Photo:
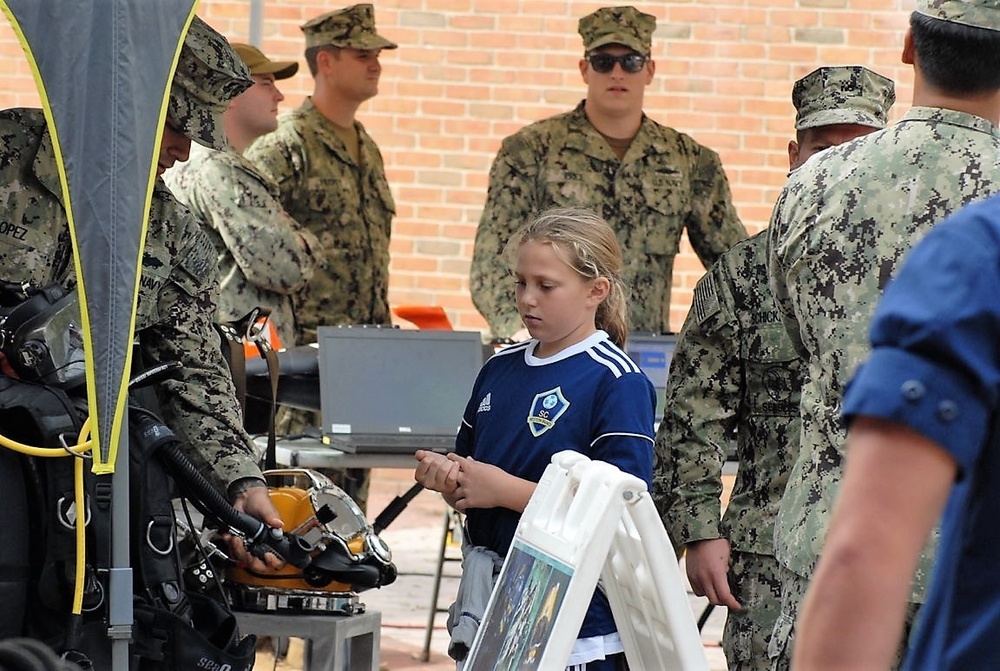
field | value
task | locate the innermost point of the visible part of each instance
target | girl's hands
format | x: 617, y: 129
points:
x: 435, y: 471
x: 466, y: 483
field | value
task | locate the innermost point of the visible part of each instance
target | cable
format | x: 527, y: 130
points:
x: 27, y: 654
x: 79, y: 499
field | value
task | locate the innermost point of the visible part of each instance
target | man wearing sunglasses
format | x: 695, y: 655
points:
x: 649, y: 181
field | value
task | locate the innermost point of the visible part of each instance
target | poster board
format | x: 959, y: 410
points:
x: 587, y: 520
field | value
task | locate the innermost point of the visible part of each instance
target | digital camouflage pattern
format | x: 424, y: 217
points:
x: 747, y: 633
x: 352, y: 27
x: 781, y: 645
x: 975, y: 13
x: 346, y: 205
x: 618, y: 25
x: 838, y: 232
x: 734, y: 376
x: 666, y: 183
x: 263, y: 254
x: 209, y: 74
x: 842, y: 95
x: 177, y: 293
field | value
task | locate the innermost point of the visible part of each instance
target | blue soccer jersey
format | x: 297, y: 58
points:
x: 590, y: 397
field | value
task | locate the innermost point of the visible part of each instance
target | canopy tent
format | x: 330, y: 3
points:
x: 103, y: 70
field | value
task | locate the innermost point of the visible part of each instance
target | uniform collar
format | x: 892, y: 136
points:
x: 953, y: 117
x: 325, y: 130
x: 46, y: 169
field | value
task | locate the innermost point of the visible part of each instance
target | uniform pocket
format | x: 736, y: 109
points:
x: 779, y: 648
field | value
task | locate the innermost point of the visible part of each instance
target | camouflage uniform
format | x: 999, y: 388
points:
x: 735, y: 374
x: 840, y: 227
x: 347, y: 204
x: 665, y: 182
x: 176, y: 293
x: 177, y: 288
x: 263, y: 254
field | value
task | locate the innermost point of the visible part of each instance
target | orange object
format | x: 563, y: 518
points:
x: 426, y: 317
x: 270, y: 333
x: 294, y: 506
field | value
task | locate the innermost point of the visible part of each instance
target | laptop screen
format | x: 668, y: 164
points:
x: 652, y: 353
x: 395, y: 381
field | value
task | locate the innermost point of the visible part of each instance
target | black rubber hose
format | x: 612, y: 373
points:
x: 26, y: 654
x: 156, y: 438
x: 395, y: 507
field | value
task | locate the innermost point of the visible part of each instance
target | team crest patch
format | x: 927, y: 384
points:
x: 547, y: 407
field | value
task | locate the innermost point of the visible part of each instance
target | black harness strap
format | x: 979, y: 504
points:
x: 234, y: 334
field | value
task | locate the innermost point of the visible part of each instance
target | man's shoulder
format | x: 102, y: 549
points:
x: 542, y: 129
x: 293, y: 129
x: 228, y: 165
x: 167, y: 208
x: 177, y: 237
x: 26, y: 147
x: 746, y: 252
x: 214, y: 173
x: 296, y: 121
x: 669, y: 140
x: 654, y: 128
x: 21, y: 126
x: 28, y: 117
x: 743, y: 266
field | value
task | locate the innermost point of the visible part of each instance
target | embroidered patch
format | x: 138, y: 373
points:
x: 547, y: 407
x: 706, y: 299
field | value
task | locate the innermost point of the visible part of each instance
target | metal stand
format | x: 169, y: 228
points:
x: 452, y: 521
x: 333, y: 642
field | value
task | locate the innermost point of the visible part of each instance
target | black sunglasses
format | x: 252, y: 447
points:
x: 605, y: 63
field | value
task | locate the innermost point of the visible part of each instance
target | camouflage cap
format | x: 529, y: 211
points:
x: 618, y: 25
x: 260, y: 64
x: 209, y: 74
x: 842, y: 95
x: 975, y: 13
x: 352, y: 27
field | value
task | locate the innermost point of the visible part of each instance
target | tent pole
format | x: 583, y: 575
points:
x: 256, y: 19
x: 120, y: 584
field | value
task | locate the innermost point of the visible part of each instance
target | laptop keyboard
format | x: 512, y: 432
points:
x: 390, y: 443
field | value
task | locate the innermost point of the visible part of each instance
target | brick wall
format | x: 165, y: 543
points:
x: 470, y: 72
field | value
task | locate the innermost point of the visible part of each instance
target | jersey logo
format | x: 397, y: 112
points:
x: 484, y: 405
x: 547, y: 407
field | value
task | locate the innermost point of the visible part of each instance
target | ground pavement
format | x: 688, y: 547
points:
x: 415, y: 540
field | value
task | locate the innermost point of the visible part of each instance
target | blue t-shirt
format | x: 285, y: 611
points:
x: 935, y: 367
x: 590, y: 398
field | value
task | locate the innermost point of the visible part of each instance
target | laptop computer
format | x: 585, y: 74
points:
x: 387, y: 390
x: 652, y: 353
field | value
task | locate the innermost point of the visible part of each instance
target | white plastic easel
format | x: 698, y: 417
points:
x: 588, y: 520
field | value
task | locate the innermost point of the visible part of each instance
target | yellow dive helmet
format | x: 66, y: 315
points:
x: 347, y: 555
